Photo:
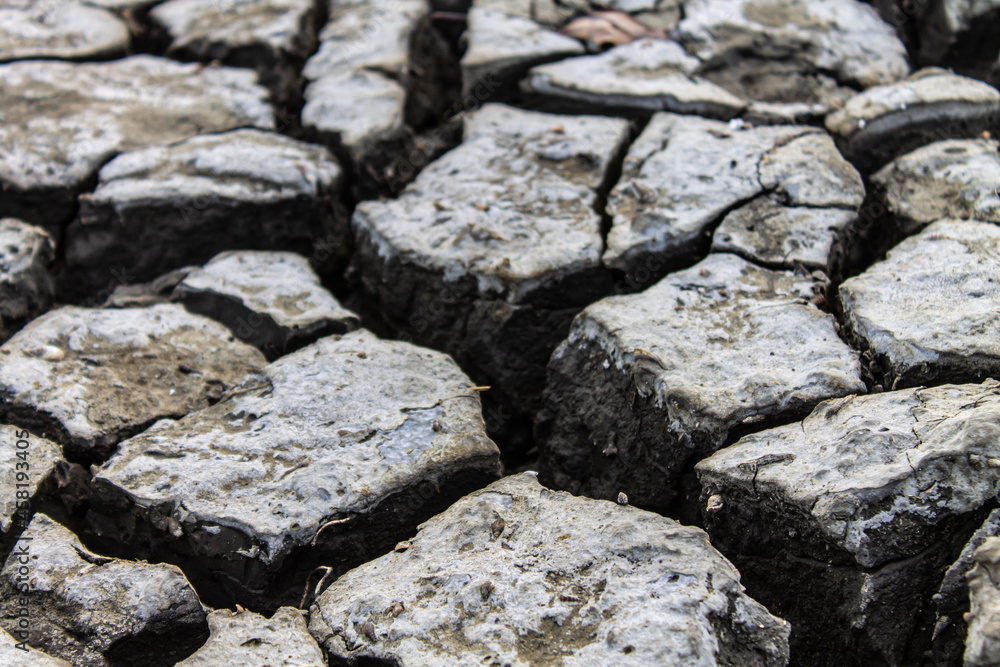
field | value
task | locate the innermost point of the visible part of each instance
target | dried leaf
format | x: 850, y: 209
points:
x: 602, y: 30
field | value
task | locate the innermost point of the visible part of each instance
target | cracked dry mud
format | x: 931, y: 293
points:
x: 513, y: 332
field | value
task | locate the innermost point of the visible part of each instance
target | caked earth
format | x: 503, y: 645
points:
x: 506, y: 333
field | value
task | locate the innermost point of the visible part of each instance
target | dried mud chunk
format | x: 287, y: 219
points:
x: 515, y: 573
x: 95, y: 611
x: 648, y: 383
x: 88, y: 378
x: 328, y: 457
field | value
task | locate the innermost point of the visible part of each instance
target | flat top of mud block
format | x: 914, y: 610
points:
x: 243, y: 165
x: 361, y: 107
x: 933, y: 305
x: 25, y: 283
x: 645, y: 75
x: 933, y: 104
x: 512, y: 206
x: 956, y: 178
x: 518, y: 574
x: 86, y: 607
x: 212, y: 29
x: 88, y: 378
x: 325, y: 433
x: 273, y: 300
x: 245, y: 638
x: 878, y: 476
x: 26, y: 453
x: 725, y: 340
x: 684, y: 173
x: 844, y: 37
x: 64, y: 29
x: 281, y: 285
x: 366, y: 34
x: 47, y: 127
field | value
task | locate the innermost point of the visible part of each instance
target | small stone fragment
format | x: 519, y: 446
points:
x: 89, y: 378
x: 928, y: 308
x: 165, y: 207
x: 647, y: 382
x: 272, y: 300
x: 26, y: 252
x: 630, y: 588
x: 889, y: 120
x: 325, y: 458
x: 956, y: 178
x: 95, y: 611
x: 245, y: 638
x: 60, y: 29
x: 849, y: 536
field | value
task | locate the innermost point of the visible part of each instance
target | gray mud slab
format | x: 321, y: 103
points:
x: 95, y: 611
x: 956, y: 178
x: 164, y: 207
x: 15, y: 653
x: 860, y: 508
x: 886, y: 121
x: 60, y: 29
x: 648, y: 383
x: 644, y: 76
x: 982, y: 647
x: 951, y: 601
x: 809, y: 214
x: 245, y: 638
x: 929, y: 311
x: 362, y: 115
x: 496, y: 246
x: 373, y: 35
x: 272, y: 300
x: 518, y: 574
x: 359, y: 81
x: 29, y: 463
x: 789, y: 54
x: 62, y: 121
x: 26, y: 251
x: 685, y: 174
x: 89, y: 378
x: 503, y: 47
x: 787, y: 237
x: 328, y: 457
x: 272, y: 36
